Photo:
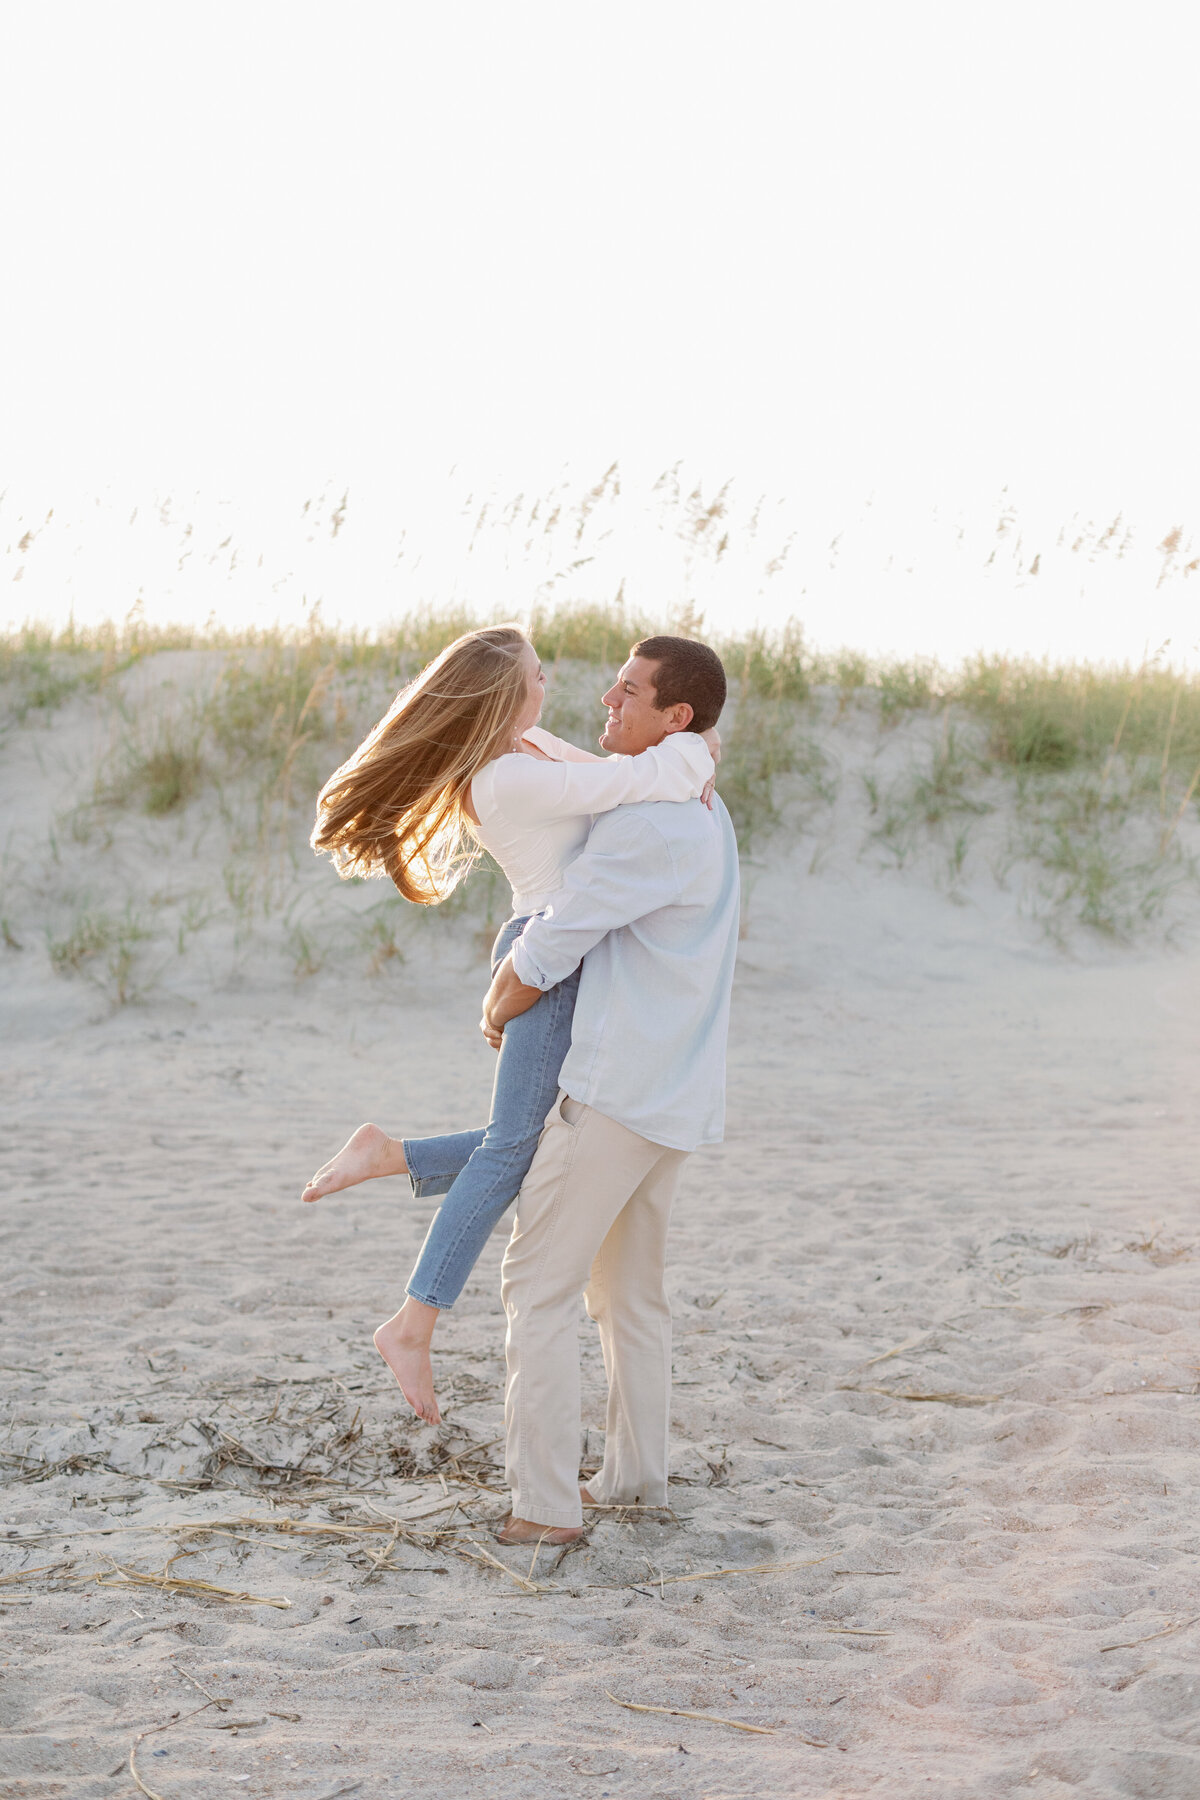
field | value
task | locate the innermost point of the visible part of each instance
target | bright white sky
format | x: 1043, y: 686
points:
x: 836, y: 251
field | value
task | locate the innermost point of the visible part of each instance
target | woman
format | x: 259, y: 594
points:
x: 456, y: 765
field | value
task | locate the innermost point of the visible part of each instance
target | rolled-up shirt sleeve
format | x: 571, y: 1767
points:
x: 560, y: 748
x: 624, y: 871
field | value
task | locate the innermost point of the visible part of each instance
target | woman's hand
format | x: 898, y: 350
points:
x: 712, y: 738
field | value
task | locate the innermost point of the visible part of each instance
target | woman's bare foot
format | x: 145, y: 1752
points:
x: 523, y: 1531
x: 403, y: 1342
x: 369, y: 1154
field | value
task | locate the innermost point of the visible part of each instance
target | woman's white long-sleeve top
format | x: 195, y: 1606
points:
x: 534, y: 816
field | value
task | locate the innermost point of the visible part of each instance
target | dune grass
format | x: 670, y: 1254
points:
x: 1096, y: 770
x: 1039, y: 715
x: 106, y: 947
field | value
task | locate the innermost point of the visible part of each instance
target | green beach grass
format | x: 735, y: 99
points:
x: 1039, y: 715
x: 1085, y: 778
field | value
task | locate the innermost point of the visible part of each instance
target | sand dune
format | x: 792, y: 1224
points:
x: 936, y: 1367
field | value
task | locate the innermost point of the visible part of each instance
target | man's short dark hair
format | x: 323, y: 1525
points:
x: 687, y: 672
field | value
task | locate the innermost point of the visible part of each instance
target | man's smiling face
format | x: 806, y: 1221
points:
x: 634, y: 721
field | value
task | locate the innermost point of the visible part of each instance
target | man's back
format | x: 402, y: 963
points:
x: 652, y: 903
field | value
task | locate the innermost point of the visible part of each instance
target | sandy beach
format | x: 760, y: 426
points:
x: 853, y: 343
x: 934, y: 1494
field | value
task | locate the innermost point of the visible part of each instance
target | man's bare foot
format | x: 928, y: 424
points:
x: 523, y: 1531
x: 369, y: 1154
x: 403, y: 1342
x: 586, y: 1497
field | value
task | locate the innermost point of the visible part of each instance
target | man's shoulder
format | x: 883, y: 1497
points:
x: 676, y: 825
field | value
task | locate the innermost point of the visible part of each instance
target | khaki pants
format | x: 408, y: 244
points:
x: 594, y: 1209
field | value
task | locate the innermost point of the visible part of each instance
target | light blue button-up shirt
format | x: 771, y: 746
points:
x: 651, y: 907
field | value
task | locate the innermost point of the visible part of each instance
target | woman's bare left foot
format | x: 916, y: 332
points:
x: 403, y: 1343
x: 369, y: 1154
x: 524, y: 1531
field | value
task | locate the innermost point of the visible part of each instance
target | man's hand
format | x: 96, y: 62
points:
x: 506, y: 999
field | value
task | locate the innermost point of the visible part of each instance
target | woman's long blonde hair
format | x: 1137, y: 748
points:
x: 396, y: 806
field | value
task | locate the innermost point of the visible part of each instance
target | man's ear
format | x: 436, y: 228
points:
x: 679, y: 717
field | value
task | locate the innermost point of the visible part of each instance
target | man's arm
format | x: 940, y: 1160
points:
x: 624, y: 872
x: 506, y: 999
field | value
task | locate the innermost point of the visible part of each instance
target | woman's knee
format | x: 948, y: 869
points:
x: 511, y: 1145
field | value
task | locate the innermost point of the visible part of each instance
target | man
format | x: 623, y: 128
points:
x: 651, y: 907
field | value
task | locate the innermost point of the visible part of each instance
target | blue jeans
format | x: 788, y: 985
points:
x: 480, y: 1172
